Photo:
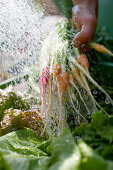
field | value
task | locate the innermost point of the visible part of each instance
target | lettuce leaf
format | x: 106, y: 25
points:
x: 65, y: 154
x: 24, y: 149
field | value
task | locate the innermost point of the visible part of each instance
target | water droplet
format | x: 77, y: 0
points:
x: 107, y: 101
x: 67, y: 141
x: 94, y: 92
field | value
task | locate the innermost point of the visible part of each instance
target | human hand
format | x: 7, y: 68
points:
x: 84, y: 19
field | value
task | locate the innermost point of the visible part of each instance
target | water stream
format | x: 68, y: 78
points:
x: 20, y: 34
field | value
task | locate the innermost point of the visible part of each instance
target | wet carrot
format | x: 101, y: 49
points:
x: 100, y: 48
x: 63, y: 81
x: 83, y: 61
x: 43, y: 82
x: 44, y: 78
x: 66, y: 76
x: 56, y: 69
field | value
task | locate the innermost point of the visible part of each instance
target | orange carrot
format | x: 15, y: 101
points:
x: 83, y: 61
x: 56, y: 69
x: 62, y: 78
x: 66, y: 76
x: 63, y: 81
x: 100, y: 48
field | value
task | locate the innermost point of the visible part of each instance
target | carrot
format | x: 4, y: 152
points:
x: 44, y: 78
x: 56, y: 69
x: 43, y: 82
x: 63, y: 81
x: 62, y: 78
x: 66, y: 76
x: 100, y: 48
x: 83, y: 61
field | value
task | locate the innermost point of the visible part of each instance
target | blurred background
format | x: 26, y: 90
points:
x: 105, y: 15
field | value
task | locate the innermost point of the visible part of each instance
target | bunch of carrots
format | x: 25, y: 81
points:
x: 63, y: 78
x: 55, y: 80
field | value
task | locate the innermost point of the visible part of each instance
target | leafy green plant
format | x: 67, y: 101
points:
x: 9, y: 98
x: 98, y: 134
x: 23, y: 149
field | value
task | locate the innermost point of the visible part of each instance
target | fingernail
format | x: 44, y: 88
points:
x: 76, y: 43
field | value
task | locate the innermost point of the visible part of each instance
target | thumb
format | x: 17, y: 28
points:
x: 84, y: 36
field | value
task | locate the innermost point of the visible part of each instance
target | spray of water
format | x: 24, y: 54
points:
x: 20, y: 33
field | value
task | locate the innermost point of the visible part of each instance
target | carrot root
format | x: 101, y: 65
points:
x: 90, y: 78
x: 79, y: 95
x: 100, y: 48
x: 75, y: 108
